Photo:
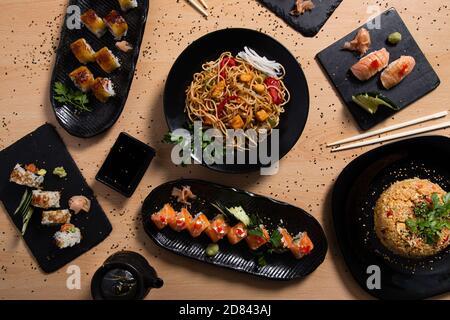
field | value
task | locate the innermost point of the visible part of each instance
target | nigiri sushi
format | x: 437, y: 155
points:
x: 102, y: 88
x: 163, y: 217
x: 116, y: 24
x: 93, y: 22
x: 302, y: 245
x: 257, y: 237
x: 107, y: 60
x: 360, y: 43
x: 83, y: 78
x: 126, y: 5
x: 371, y: 64
x: 182, y: 220
x: 198, y: 225
x: 217, y: 229
x: 397, y: 71
x: 237, y: 233
x: 82, y: 51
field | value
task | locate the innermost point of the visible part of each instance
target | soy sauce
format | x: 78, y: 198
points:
x: 119, y: 284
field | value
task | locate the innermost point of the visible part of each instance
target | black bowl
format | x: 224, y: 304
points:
x: 209, y: 47
x: 354, y: 196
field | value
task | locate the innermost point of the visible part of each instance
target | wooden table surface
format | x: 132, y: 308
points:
x: 29, y: 35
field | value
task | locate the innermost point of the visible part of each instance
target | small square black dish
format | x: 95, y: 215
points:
x: 308, y: 23
x: 125, y: 164
x: 337, y: 62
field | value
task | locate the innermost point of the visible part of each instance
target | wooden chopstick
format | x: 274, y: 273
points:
x: 390, y: 128
x: 198, y: 7
x: 203, y: 3
x: 393, y: 136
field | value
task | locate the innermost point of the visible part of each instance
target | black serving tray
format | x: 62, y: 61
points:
x: 309, y: 23
x: 104, y: 115
x: 45, y: 148
x: 238, y: 257
x: 125, y: 164
x: 337, y: 62
x: 354, y: 196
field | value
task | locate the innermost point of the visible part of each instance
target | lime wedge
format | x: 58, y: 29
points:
x: 370, y: 101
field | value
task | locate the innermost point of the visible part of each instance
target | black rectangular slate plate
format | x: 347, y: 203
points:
x: 125, y: 164
x: 45, y: 148
x: 238, y: 257
x: 419, y: 82
x: 104, y: 115
x: 355, y: 193
x: 309, y: 23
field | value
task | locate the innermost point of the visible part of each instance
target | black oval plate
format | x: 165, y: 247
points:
x: 238, y: 257
x: 354, y: 196
x: 104, y: 115
x: 209, y: 47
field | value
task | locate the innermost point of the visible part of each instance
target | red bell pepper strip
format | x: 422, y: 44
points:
x: 222, y: 104
x: 273, y: 85
x: 226, y: 62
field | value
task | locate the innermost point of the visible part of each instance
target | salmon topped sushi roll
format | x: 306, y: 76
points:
x: 107, y: 60
x: 82, y: 51
x: 218, y: 229
x: 302, y: 245
x: 116, y: 24
x: 397, y: 71
x: 237, y: 233
x: 83, y: 78
x: 257, y: 237
x: 199, y: 224
x: 286, y: 238
x: 163, y: 217
x: 103, y: 89
x: 182, y: 220
x: 93, y: 22
x: 370, y: 65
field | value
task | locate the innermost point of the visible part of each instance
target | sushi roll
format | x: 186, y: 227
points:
x: 82, y: 51
x: 24, y: 177
x: 257, y: 237
x: 116, y: 24
x: 102, y: 88
x: 397, y: 71
x: 217, y: 229
x: 302, y: 245
x: 83, y: 78
x: 370, y: 65
x: 45, y: 199
x: 126, y: 5
x: 237, y: 233
x: 94, y: 23
x: 68, y: 236
x: 50, y: 218
x: 286, y: 238
x: 107, y: 60
x: 163, y: 217
x: 199, y: 224
x: 182, y: 220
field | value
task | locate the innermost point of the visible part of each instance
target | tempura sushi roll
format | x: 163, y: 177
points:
x: 258, y: 237
x: 82, y: 51
x: 93, y: 22
x: 163, y: 217
x: 182, y: 220
x: 198, y: 225
x: 45, y: 199
x: 50, y: 218
x: 397, y: 71
x: 126, y: 5
x: 371, y: 64
x: 107, y: 60
x: 217, y: 229
x: 286, y: 238
x: 24, y: 177
x: 302, y: 245
x: 82, y: 78
x: 102, y: 88
x: 237, y: 233
x: 68, y: 236
x: 116, y: 24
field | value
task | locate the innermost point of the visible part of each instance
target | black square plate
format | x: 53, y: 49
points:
x: 125, y: 164
x: 45, y: 148
x: 309, y: 23
x: 337, y: 63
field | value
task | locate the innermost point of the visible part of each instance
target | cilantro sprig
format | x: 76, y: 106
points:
x: 75, y: 98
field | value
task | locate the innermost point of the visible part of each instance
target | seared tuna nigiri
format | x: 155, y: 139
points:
x: 198, y: 225
x: 182, y: 220
x: 397, y: 71
x: 237, y: 233
x: 302, y: 245
x: 369, y: 65
x: 257, y: 237
x: 163, y: 217
x: 217, y: 229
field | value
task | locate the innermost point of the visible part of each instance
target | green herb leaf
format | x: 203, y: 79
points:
x: 257, y: 232
x: 74, y: 98
x: 275, y: 239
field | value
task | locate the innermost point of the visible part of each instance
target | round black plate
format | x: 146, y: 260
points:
x: 104, y: 115
x: 209, y: 47
x: 238, y: 257
x: 354, y: 196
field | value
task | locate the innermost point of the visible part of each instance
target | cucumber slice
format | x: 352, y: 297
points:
x: 26, y: 219
x: 24, y: 203
x: 370, y: 101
